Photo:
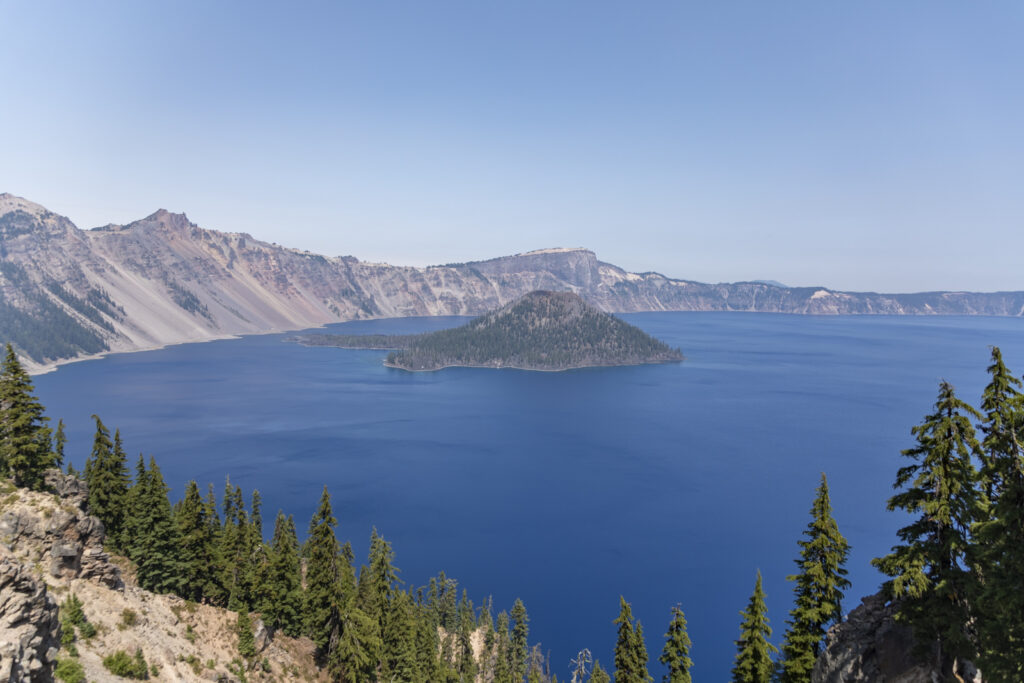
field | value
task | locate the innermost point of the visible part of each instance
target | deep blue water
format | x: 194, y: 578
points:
x: 666, y: 484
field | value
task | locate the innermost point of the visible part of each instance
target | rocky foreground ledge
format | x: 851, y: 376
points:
x: 50, y: 548
x: 871, y: 646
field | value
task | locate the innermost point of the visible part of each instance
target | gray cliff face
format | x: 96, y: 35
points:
x: 29, y: 625
x: 56, y: 533
x: 67, y: 293
x: 870, y: 646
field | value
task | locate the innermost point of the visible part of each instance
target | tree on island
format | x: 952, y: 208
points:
x: 818, y: 591
x: 929, y: 569
x: 754, y: 651
x: 25, y: 452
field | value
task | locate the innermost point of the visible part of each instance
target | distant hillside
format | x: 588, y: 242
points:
x: 539, y: 331
x: 68, y: 293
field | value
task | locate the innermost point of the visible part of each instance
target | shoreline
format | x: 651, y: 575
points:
x: 527, y: 369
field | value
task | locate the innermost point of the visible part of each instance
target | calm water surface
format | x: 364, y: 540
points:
x: 666, y: 484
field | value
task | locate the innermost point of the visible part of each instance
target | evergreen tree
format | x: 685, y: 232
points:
x: 928, y: 569
x: 198, y: 556
x: 156, y: 546
x: 323, y: 580
x: 246, y: 639
x: 59, y: 441
x: 754, y: 652
x: 352, y: 660
x: 399, y: 645
x: 24, y: 437
x: 284, y: 608
x: 818, y: 591
x: 518, y: 645
x: 599, y: 675
x: 106, y: 476
x: 630, y: 650
x: 999, y: 539
x: 502, y: 657
x: 676, y: 653
x: 464, y: 640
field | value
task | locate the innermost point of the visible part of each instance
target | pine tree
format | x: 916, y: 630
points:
x: 59, y: 441
x: 24, y: 437
x: 323, y: 580
x: 630, y: 650
x: 518, y: 644
x: 464, y: 640
x: 351, y: 660
x: 998, y: 559
x: 502, y: 659
x: 156, y: 546
x: 246, y: 639
x: 200, y: 579
x: 399, y: 645
x: 284, y: 608
x: 818, y: 591
x: 599, y: 675
x: 106, y: 476
x: 754, y: 652
x: 928, y: 569
x: 676, y: 654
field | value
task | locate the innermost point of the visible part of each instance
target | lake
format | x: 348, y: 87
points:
x: 665, y: 483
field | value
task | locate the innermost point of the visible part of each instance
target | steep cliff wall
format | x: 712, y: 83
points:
x: 67, y: 293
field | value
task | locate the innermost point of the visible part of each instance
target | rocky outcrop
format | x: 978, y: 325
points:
x: 871, y: 646
x: 55, y: 531
x: 68, y: 293
x: 29, y: 625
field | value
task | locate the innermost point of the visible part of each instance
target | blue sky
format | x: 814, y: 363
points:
x: 869, y: 145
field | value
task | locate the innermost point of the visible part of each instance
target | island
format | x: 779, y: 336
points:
x: 539, y: 331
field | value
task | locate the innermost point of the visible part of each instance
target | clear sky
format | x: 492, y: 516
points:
x: 858, y: 145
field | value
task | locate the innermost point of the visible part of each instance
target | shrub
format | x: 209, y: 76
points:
x: 69, y: 671
x: 122, y: 664
x: 72, y: 610
x: 128, y: 619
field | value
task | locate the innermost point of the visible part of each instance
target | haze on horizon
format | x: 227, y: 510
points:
x: 861, y: 147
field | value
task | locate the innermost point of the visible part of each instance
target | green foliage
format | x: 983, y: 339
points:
x: 323, y: 577
x: 71, y: 609
x: 246, y: 639
x: 818, y: 591
x: 676, y: 653
x: 542, y: 330
x: 754, y: 652
x: 599, y: 675
x: 155, y: 546
x: 199, y: 558
x: 284, y: 581
x: 37, y: 324
x: 999, y: 537
x: 59, y: 440
x: 24, y: 437
x: 128, y: 619
x: 518, y: 643
x: 106, y: 475
x: 630, y: 650
x: 69, y: 671
x: 928, y: 569
x: 120, y: 663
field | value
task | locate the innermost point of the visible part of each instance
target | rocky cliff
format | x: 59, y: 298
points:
x: 871, y: 646
x: 50, y: 548
x: 67, y: 293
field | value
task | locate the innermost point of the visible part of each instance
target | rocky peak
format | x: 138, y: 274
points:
x: 575, y: 267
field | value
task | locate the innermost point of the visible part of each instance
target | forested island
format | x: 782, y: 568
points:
x: 539, y: 331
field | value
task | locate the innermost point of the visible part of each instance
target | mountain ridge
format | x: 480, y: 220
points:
x: 68, y: 293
